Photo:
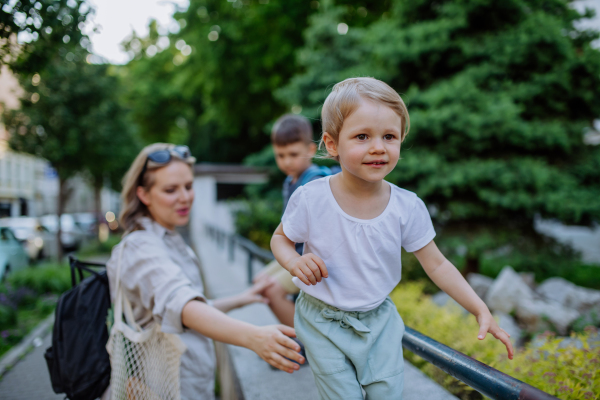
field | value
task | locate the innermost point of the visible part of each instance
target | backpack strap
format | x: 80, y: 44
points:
x: 122, y: 304
x: 80, y: 266
x: 313, y: 173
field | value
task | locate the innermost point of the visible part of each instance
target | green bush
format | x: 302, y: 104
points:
x: 568, y: 372
x: 544, y: 266
x: 257, y: 219
x: 43, y: 279
x: 97, y: 247
x: 413, y: 271
x: 8, y: 316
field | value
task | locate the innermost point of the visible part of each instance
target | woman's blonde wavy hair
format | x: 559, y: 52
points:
x: 345, y: 98
x: 132, y: 208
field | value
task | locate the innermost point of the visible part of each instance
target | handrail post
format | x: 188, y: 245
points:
x: 231, y: 248
x: 250, y: 261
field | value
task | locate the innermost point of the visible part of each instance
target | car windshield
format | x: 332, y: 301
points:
x: 51, y: 222
x: 22, y: 233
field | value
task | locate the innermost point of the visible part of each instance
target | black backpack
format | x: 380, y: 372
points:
x: 78, y: 362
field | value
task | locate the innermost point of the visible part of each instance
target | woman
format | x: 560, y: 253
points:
x: 161, y: 275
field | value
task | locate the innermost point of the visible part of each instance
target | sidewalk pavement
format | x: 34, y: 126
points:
x: 29, y: 378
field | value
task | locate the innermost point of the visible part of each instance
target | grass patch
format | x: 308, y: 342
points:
x: 42, y: 279
x: 96, y: 247
x: 27, y: 298
x: 27, y: 318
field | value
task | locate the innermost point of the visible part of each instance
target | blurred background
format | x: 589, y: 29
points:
x: 504, y: 101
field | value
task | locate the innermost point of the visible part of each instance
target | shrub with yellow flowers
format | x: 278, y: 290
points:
x: 568, y: 371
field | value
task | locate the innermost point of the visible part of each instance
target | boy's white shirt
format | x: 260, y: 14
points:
x: 362, y: 256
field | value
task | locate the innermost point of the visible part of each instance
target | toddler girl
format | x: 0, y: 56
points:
x: 353, y: 226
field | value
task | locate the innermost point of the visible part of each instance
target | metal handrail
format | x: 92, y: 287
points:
x: 481, y: 377
x: 251, y: 248
x: 486, y: 380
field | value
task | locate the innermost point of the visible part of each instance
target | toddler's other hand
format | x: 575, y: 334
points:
x: 255, y: 293
x: 487, y: 323
x: 309, y: 268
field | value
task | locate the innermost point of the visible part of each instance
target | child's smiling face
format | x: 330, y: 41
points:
x: 368, y: 145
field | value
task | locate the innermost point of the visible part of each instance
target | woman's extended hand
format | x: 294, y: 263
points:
x: 274, y: 346
x: 487, y: 323
x: 309, y: 268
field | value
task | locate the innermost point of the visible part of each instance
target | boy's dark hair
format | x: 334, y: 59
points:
x: 291, y: 128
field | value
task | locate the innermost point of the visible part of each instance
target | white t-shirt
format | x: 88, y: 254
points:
x: 362, y: 256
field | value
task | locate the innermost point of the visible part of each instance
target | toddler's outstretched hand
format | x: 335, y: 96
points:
x: 309, y: 268
x: 487, y: 323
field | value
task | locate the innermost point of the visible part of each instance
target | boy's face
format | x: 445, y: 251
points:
x: 368, y: 145
x: 293, y: 159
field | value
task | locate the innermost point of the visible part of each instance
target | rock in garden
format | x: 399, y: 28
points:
x: 480, y: 283
x: 538, y: 315
x: 507, y: 291
x: 593, y: 341
x: 509, y: 324
x: 528, y: 278
x: 569, y: 295
x: 443, y: 300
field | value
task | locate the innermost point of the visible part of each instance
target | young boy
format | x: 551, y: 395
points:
x: 292, y: 139
x: 353, y: 226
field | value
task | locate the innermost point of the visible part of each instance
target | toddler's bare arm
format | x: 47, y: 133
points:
x: 309, y: 268
x: 448, y: 278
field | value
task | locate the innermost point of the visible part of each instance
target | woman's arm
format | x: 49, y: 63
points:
x: 269, y: 342
x: 309, y: 268
x: 449, y: 279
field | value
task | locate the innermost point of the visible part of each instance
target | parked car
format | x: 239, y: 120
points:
x: 12, y: 255
x: 71, y: 235
x: 87, y: 222
x: 37, y: 240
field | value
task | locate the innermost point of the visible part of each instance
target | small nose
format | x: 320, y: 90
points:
x: 185, y: 195
x: 377, y: 146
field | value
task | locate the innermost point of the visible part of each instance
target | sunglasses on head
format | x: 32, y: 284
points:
x: 164, y: 157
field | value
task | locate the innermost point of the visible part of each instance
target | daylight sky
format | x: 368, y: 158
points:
x: 116, y: 19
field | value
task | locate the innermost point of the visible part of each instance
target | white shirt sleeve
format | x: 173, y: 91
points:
x: 154, y: 282
x: 296, y: 219
x: 418, y: 231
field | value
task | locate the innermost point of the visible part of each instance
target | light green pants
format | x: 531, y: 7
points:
x: 349, y: 350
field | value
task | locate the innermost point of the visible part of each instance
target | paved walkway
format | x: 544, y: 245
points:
x: 29, y: 379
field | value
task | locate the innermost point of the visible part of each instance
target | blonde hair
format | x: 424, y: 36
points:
x: 132, y: 207
x: 347, y: 95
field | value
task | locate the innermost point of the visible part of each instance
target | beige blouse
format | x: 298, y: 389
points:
x: 161, y: 274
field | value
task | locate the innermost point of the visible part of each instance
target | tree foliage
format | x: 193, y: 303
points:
x: 70, y: 114
x: 499, y: 96
x: 43, y: 28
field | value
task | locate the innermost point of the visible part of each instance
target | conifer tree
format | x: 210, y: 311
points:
x: 500, y: 95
